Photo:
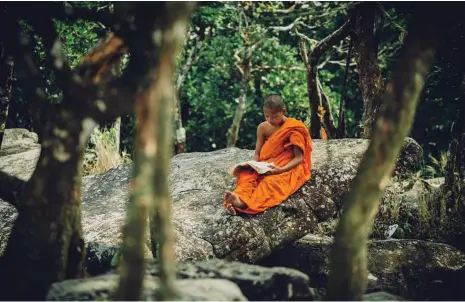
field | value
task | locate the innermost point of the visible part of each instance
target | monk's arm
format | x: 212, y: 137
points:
x: 297, y: 160
x: 260, y: 142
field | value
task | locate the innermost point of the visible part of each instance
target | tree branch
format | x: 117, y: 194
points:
x: 348, y: 262
x: 11, y: 188
x: 279, y: 67
x: 332, y: 39
x: 191, y: 58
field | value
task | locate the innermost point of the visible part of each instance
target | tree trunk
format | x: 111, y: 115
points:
x: 117, y: 127
x: 233, y: 132
x: 328, y: 120
x: 153, y: 156
x: 311, y: 65
x: 46, y: 243
x: 455, y: 170
x: 6, y: 81
x: 180, y: 131
x: 348, y: 266
x: 342, y: 127
x: 371, y: 82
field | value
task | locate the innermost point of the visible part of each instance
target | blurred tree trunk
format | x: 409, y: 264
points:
x: 46, y: 243
x: 348, y: 266
x: 154, y: 110
x: 365, y: 54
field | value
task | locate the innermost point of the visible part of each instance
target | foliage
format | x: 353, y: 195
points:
x: 101, y: 153
x: 209, y: 94
x: 437, y: 168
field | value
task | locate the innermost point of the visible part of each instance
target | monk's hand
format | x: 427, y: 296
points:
x: 256, y: 158
x: 274, y: 169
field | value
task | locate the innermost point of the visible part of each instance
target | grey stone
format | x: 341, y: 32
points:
x: 101, y: 288
x: 410, y: 158
x: 256, y: 282
x: 19, y: 153
x: 197, y: 181
x: 413, y: 269
x: 381, y: 296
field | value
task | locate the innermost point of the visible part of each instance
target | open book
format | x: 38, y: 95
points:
x: 260, y: 166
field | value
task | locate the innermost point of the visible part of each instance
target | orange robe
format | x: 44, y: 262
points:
x: 261, y: 192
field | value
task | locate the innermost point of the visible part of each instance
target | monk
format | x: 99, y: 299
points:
x: 285, y: 143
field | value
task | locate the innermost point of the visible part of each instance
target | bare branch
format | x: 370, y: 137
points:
x: 279, y: 67
x: 303, y: 53
x: 274, y: 28
x: 191, y: 58
x: 10, y: 188
x: 301, y: 35
x: 237, y: 62
x: 332, y: 39
x: 286, y: 11
x: 285, y: 28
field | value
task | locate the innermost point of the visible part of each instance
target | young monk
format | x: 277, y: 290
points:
x: 283, y: 142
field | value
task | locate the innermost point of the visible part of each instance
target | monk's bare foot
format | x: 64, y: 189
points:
x: 227, y: 196
x: 230, y: 209
x: 233, y: 199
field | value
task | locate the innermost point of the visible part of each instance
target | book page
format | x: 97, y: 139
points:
x: 260, y: 167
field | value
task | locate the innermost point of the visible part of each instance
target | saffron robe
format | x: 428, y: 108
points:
x: 261, y: 192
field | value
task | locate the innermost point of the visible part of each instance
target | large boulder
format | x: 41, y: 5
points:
x: 197, y: 182
x: 256, y: 282
x: 204, y: 280
x: 406, y: 209
x: 412, y: 269
x: 18, y: 156
x: 19, y: 153
x: 102, y: 288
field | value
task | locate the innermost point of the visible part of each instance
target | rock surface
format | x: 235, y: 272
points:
x: 412, y: 269
x: 19, y: 153
x: 197, y: 182
x: 204, y: 280
x: 256, y: 282
x: 102, y: 287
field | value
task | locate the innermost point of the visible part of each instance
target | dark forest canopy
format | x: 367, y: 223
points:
x: 217, y: 42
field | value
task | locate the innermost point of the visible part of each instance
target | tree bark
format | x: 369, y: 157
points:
x: 348, y: 275
x: 328, y: 120
x: 342, y: 127
x: 371, y: 82
x: 6, y: 83
x: 311, y: 64
x: 180, y: 131
x: 246, y: 66
x: 154, y: 111
x: 455, y: 170
x: 117, y: 127
x: 46, y: 243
